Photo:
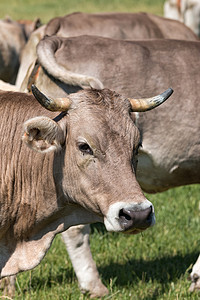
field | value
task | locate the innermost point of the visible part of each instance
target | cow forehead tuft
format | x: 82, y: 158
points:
x: 102, y: 98
x: 104, y: 112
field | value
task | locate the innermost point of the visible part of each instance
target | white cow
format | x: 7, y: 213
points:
x: 186, y: 11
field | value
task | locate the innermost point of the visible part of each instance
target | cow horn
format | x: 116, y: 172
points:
x: 141, y: 105
x: 57, y: 104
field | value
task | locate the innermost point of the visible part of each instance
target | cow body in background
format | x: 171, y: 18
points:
x: 124, y: 26
x: 118, y: 26
x: 186, y: 11
x: 118, y: 63
x: 13, y: 37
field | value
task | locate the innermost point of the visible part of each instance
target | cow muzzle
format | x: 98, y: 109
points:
x: 130, y: 218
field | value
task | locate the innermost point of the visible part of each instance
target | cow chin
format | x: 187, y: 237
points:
x: 130, y: 218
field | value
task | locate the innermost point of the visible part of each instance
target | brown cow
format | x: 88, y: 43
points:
x: 115, y: 25
x: 75, y: 176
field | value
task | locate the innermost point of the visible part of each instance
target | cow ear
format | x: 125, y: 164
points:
x: 43, y: 134
x: 37, y: 23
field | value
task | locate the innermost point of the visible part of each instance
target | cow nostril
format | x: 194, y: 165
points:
x: 149, y: 218
x: 129, y: 218
x: 124, y: 215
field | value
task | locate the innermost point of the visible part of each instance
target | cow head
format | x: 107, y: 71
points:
x: 97, y: 143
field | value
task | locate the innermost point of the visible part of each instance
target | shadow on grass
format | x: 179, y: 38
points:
x: 62, y: 276
x: 163, y: 270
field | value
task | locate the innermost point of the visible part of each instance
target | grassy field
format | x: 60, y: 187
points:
x: 30, y: 9
x: 152, y: 265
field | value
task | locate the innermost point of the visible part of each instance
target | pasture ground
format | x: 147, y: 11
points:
x: 47, y: 9
x: 152, y: 265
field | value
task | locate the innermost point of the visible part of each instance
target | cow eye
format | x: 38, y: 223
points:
x: 85, y: 148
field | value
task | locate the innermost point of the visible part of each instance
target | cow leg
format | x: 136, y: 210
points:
x: 7, y: 284
x: 195, y: 276
x: 76, y: 239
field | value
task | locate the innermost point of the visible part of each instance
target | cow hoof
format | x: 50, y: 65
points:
x: 97, y: 291
x: 7, y: 285
x: 100, y: 292
x: 195, y: 285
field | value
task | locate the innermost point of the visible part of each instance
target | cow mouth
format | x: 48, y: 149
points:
x: 129, y: 218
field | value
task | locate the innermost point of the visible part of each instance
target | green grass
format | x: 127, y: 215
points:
x: 30, y: 9
x: 152, y: 265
